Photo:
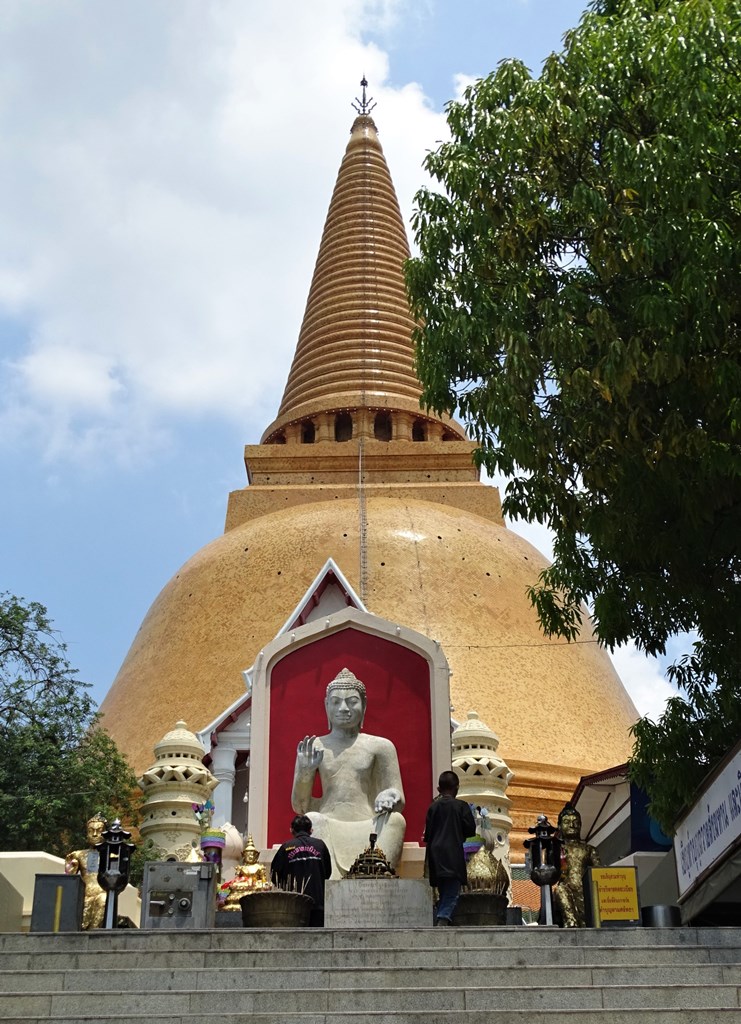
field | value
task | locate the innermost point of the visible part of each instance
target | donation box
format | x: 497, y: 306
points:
x: 57, y: 903
x: 177, y: 895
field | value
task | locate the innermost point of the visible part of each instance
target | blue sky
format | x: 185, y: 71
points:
x: 164, y: 178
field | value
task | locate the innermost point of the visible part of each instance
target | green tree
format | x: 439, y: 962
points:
x: 58, y: 767
x: 578, y: 282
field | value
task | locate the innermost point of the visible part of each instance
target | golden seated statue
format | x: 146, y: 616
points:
x: 250, y: 878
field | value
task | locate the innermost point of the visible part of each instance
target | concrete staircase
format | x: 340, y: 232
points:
x: 476, y: 975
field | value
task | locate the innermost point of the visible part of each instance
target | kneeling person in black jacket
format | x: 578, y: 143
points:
x: 301, y: 865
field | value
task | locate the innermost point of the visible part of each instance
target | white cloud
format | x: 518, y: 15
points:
x: 644, y: 679
x: 56, y: 374
x: 162, y: 195
x: 461, y: 82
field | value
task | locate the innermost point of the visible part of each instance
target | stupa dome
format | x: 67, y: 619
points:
x: 443, y: 571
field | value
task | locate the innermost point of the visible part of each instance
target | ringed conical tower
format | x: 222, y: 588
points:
x: 354, y: 348
x: 352, y: 469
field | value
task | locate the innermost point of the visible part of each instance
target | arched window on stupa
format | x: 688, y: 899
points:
x: 308, y: 432
x: 343, y: 426
x: 419, y: 431
x: 382, y: 426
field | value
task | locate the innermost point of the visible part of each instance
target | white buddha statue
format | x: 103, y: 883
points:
x: 361, y: 782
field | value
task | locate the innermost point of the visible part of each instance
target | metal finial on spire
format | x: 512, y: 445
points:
x: 366, y: 104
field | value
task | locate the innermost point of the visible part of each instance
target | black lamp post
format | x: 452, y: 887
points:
x: 545, y: 861
x: 113, y: 870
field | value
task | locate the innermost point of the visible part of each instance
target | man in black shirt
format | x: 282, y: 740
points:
x: 449, y: 822
x: 301, y: 865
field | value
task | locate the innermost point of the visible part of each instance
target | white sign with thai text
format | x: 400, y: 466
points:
x: 711, y: 826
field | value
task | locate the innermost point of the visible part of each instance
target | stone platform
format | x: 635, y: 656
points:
x: 378, y: 903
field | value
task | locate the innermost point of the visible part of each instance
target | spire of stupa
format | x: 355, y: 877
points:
x: 355, y: 348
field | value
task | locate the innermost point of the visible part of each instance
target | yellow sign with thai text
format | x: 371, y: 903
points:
x: 614, y: 895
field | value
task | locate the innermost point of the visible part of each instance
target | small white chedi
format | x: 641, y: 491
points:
x: 175, y: 782
x: 361, y: 781
x: 484, y: 778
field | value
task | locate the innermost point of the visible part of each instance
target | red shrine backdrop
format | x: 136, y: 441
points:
x: 397, y: 681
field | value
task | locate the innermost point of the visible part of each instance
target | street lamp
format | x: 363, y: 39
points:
x: 545, y: 861
x: 113, y: 870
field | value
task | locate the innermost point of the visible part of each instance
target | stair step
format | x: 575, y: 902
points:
x: 61, y: 1005
x: 467, y: 957
x: 302, y: 978
x: 669, y: 1015
x: 345, y: 939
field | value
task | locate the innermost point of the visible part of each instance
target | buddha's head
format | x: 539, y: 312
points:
x: 345, y: 701
x: 95, y: 827
x: 250, y: 853
x: 569, y: 822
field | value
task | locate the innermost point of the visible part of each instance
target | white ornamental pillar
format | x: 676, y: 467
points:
x: 223, y: 758
x: 484, y: 778
x: 175, y: 782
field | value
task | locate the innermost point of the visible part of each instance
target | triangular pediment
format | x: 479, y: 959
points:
x: 328, y: 593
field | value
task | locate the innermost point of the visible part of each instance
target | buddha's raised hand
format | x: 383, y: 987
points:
x: 307, y: 756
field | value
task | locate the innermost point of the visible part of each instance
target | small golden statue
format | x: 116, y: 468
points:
x: 372, y: 863
x: 486, y: 872
x: 576, y: 857
x: 195, y: 854
x: 250, y: 878
x: 85, y: 864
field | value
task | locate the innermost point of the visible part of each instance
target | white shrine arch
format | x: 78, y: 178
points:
x: 239, y: 740
x: 354, y: 622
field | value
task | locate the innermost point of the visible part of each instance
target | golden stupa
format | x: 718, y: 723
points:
x: 352, y: 469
